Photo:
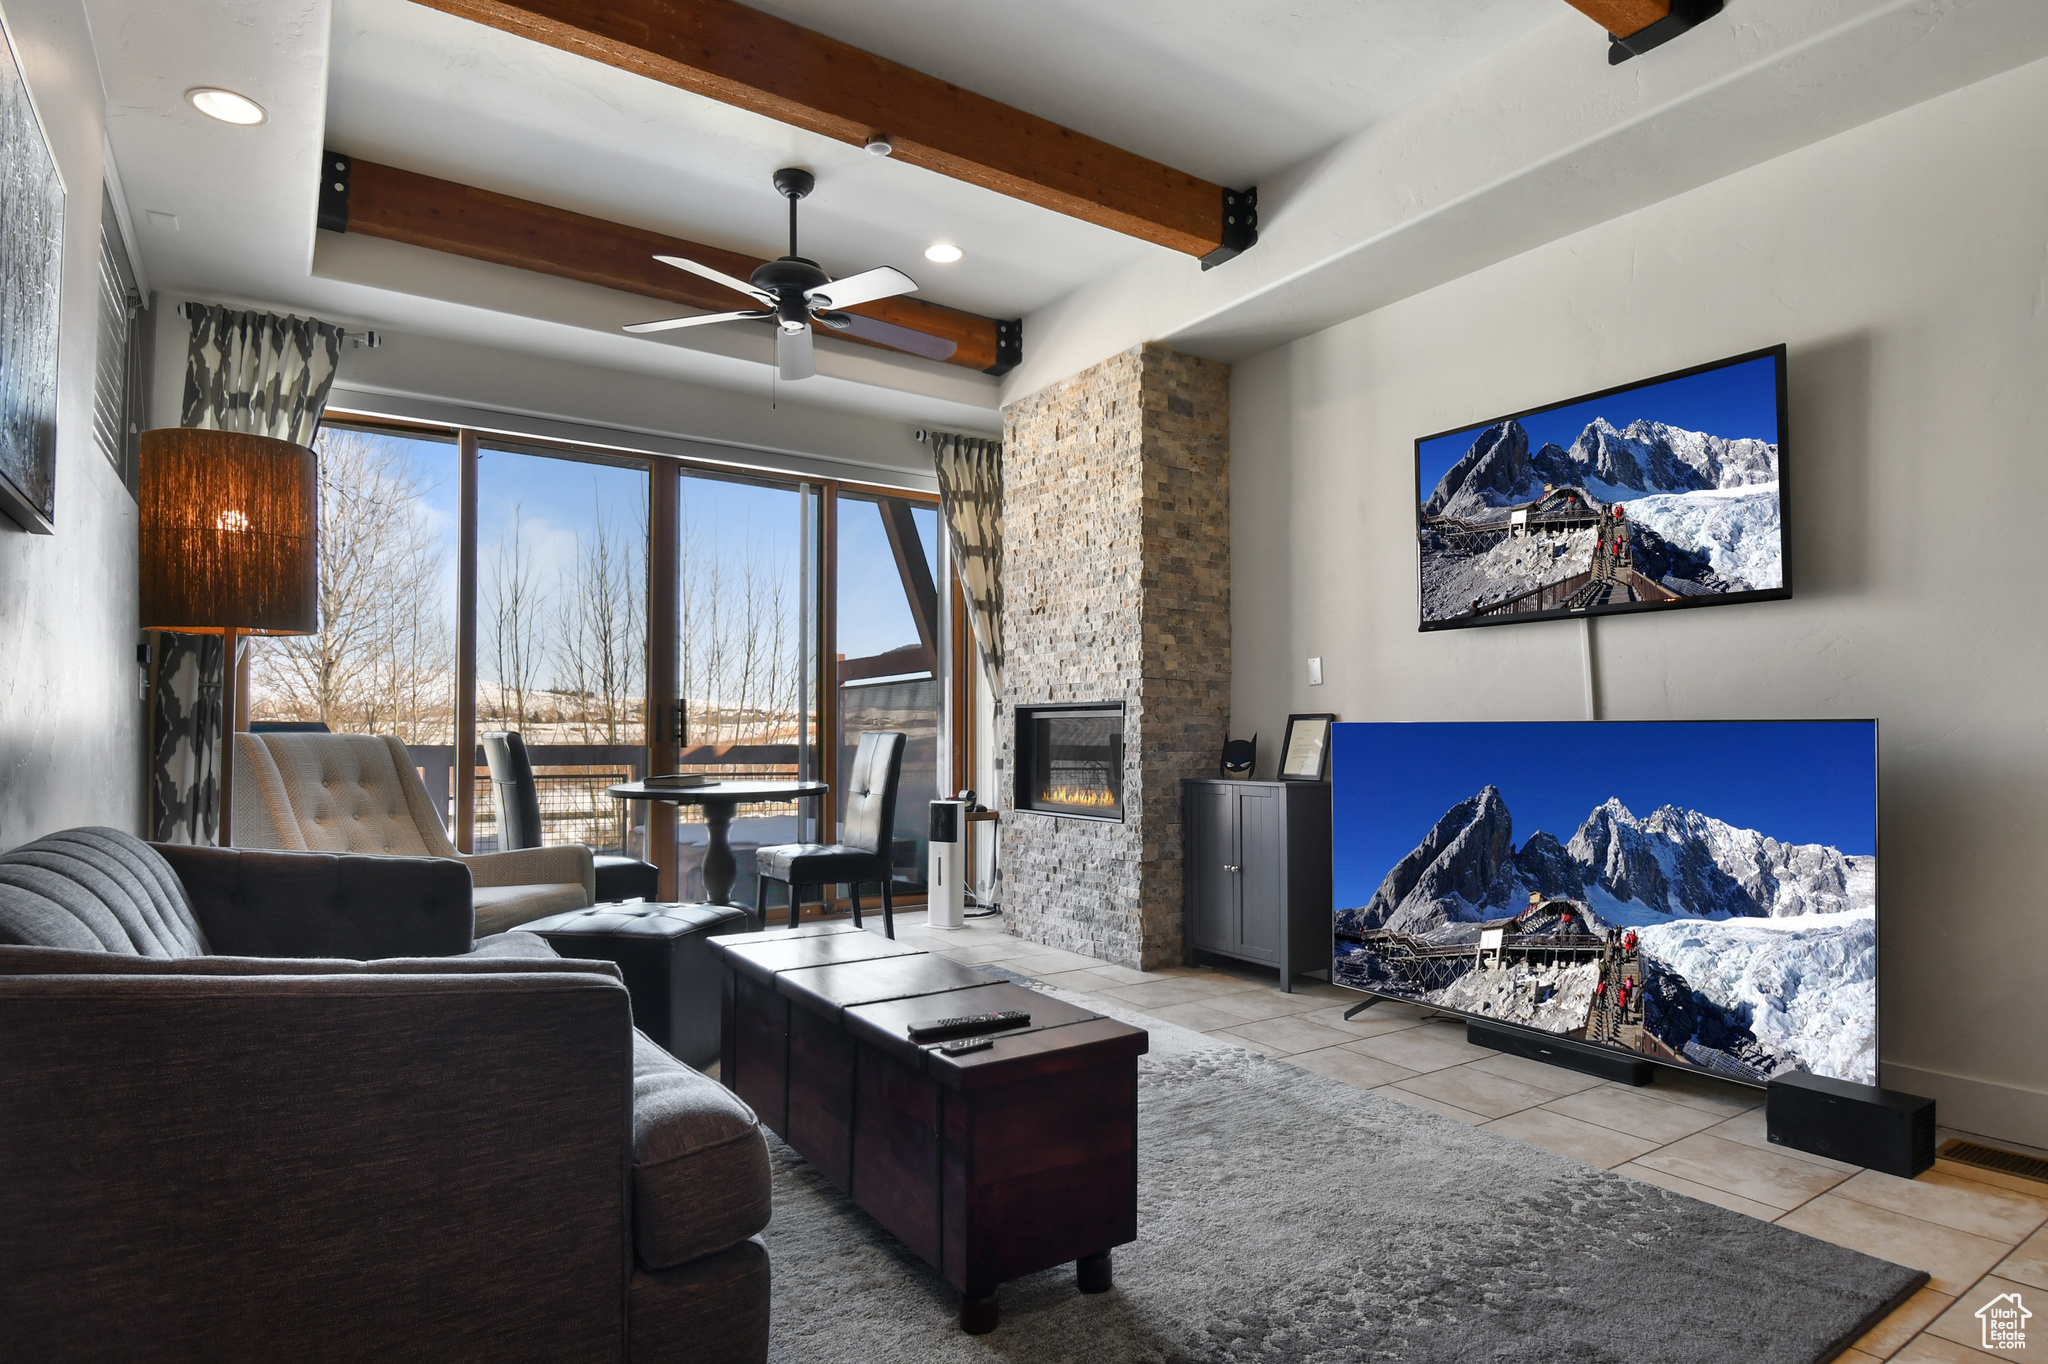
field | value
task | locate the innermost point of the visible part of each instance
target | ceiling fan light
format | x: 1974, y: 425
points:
x: 945, y: 253
x: 226, y: 105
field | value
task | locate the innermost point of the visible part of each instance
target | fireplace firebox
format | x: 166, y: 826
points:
x: 1070, y: 760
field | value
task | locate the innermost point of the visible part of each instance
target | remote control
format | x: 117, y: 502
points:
x: 933, y: 1029
x: 961, y: 1045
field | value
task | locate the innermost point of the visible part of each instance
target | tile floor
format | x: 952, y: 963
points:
x: 1977, y: 1233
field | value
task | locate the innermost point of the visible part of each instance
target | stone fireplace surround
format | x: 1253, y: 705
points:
x: 1116, y: 569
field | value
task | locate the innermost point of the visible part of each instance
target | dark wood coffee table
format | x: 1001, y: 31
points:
x: 989, y: 1165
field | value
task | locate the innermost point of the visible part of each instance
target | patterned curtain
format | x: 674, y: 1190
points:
x: 971, y: 498
x: 258, y: 372
x: 269, y: 376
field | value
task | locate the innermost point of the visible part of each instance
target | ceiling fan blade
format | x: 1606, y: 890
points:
x: 889, y: 334
x: 718, y: 277
x: 669, y: 324
x: 865, y: 287
x: 793, y: 354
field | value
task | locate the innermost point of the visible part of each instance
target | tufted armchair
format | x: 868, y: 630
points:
x: 359, y: 793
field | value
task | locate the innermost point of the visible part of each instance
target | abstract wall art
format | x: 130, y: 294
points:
x: 31, y: 282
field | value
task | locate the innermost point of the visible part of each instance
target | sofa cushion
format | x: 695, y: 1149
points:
x: 700, y: 1164
x: 96, y: 890
x: 258, y: 903
x: 499, y: 908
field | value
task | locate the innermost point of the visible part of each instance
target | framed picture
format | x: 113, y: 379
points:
x: 31, y: 281
x: 1305, y: 751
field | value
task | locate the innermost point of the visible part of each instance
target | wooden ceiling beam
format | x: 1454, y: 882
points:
x: 1623, y: 18
x: 441, y: 215
x: 724, y: 51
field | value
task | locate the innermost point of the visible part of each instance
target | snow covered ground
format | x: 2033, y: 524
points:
x: 1808, y: 982
x: 1450, y: 582
x: 1510, y: 993
x: 1736, y: 528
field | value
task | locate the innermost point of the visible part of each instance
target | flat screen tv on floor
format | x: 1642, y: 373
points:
x: 1703, y: 894
x: 1656, y: 495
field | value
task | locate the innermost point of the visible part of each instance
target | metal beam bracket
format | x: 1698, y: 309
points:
x: 1240, y: 225
x: 1009, y: 347
x: 334, y: 191
x: 1685, y: 15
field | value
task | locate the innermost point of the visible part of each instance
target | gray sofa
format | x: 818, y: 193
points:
x: 266, y: 1105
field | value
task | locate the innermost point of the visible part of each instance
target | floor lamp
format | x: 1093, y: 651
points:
x: 229, y: 525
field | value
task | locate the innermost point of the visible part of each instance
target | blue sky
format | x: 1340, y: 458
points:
x: 556, y: 499
x: 1809, y: 781
x: 1733, y: 402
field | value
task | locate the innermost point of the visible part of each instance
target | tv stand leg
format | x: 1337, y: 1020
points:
x: 1359, y: 1008
x: 1092, y: 1273
x: 979, y: 1316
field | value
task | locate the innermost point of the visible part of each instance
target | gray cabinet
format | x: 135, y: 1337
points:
x: 1256, y: 872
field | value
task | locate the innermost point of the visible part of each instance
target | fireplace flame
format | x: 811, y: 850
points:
x: 1080, y: 797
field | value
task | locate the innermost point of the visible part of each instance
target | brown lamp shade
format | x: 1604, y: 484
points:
x: 229, y: 528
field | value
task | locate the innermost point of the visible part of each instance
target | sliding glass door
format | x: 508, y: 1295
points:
x: 561, y: 636
x: 745, y: 551
x: 887, y: 655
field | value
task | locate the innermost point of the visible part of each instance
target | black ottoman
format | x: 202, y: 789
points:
x: 672, y: 975
x: 625, y: 878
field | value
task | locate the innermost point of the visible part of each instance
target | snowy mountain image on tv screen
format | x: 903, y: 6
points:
x: 1702, y: 894
x: 1663, y: 494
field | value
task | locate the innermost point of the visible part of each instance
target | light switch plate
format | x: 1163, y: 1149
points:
x: 1315, y: 672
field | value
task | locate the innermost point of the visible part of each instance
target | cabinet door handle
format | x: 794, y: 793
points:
x: 1228, y: 867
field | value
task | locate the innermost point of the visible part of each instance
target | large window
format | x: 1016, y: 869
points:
x: 384, y: 659
x: 469, y: 584
x: 561, y: 635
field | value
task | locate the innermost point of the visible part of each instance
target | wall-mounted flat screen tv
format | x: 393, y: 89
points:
x: 1702, y: 894
x: 1660, y: 494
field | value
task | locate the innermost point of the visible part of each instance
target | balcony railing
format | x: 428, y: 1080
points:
x: 571, y: 781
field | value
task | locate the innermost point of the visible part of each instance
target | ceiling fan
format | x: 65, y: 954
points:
x: 795, y: 292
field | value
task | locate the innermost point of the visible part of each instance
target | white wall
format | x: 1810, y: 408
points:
x: 1906, y: 264
x: 70, y: 708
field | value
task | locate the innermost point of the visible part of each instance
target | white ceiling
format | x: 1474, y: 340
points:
x: 1230, y: 90
x: 513, y: 116
x: 1396, y: 143
x: 1225, y: 90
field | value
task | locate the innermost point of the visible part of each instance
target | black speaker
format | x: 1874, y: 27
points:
x: 1609, y: 1063
x: 1885, y: 1131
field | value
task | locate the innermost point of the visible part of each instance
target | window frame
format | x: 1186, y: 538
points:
x: 819, y: 743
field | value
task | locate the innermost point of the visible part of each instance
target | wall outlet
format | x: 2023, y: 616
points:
x: 1315, y: 672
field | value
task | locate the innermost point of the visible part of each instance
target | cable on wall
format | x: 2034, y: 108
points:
x: 1592, y: 675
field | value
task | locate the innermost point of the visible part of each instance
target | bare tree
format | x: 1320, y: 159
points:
x: 515, y: 607
x: 601, y: 629
x: 739, y: 666
x: 382, y: 659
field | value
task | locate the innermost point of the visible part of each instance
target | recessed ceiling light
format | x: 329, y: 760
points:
x: 945, y: 253
x: 226, y: 105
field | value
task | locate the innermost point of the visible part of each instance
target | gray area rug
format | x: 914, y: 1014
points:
x: 1285, y: 1217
